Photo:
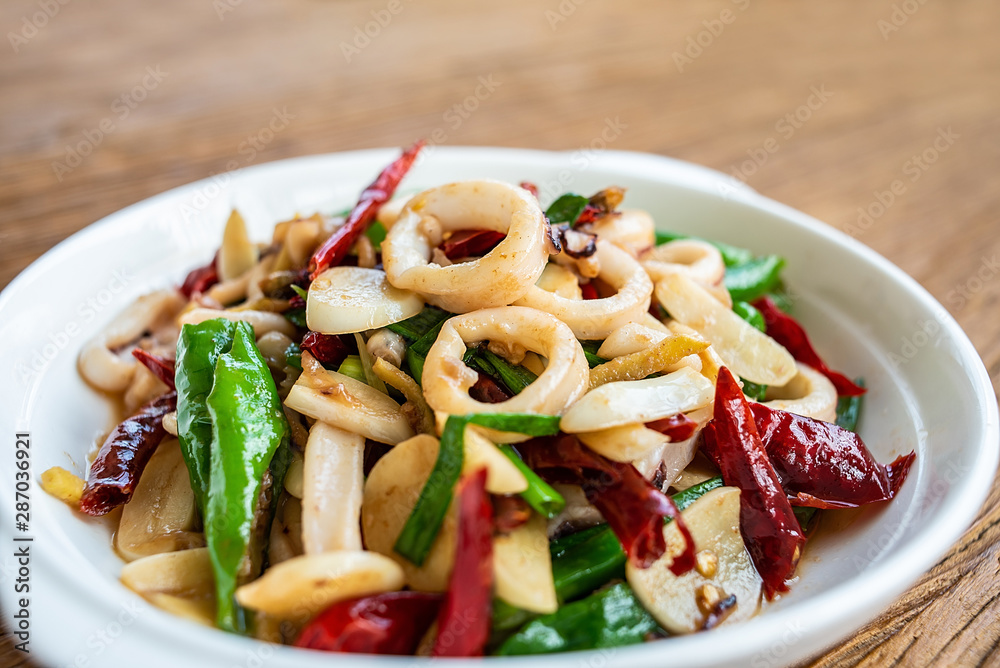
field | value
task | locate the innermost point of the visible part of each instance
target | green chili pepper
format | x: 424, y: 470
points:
x: 376, y: 233
x: 413, y: 328
x: 849, y: 409
x: 731, y: 255
x: 540, y: 495
x: 421, y: 528
x: 198, y: 349
x: 566, y: 209
x: 590, y: 349
x: 610, y: 618
x: 351, y: 366
x: 750, y: 313
x: 417, y: 351
x: 248, y: 428
x: 751, y: 280
x: 585, y: 560
x: 514, y: 377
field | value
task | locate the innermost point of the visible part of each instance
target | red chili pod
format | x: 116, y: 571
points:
x: 784, y: 329
x: 821, y: 465
x: 677, y: 427
x: 468, y: 243
x: 332, y: 252
x: 467, y: 610
x: 327, y: 348
x: 119, y: 463
x: 634, y: 509
x: 391, y: 623
x: 160, y: 367
x: 200, y: 279
x: 772, y: 533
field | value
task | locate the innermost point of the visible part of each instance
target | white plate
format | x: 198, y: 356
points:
x: 929, y: 391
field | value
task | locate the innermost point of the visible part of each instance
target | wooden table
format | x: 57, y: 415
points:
x: 819, y: 105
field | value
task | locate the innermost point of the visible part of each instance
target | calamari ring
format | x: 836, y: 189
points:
x: 808, y: 393
x: 446, y: 380
x: 597, y: 318
x: 696, y: 259
x: 496, y: 279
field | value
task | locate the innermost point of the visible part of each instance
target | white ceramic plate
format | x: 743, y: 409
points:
x: 929, y: 391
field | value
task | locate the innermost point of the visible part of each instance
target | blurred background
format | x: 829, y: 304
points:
x: 880, y: 118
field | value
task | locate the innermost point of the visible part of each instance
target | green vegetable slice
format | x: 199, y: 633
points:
x: 422, y: 526
x: 566, y: 209
x: 612, y: 617
x: 731, y: 255
x: 752, y: 280
x: 414, y: 328
x: 849, y: 409
x: 540, y: 495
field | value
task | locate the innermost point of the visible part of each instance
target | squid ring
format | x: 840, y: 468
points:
x: 597, y: 318
x: 697, y: 259
x: 446, y: 379
x: 808, y: 393
x: 496, y: 279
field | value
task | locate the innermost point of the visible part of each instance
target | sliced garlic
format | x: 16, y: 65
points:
x: 237, y: 254
x: 634, y: 401
x: 748, y: 352
x: 343, y: 300
x: 522, y: 568
x: 303, y: 586
x: 714, y: 521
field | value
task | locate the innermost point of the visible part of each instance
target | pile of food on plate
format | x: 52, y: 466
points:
x: 459, y: 423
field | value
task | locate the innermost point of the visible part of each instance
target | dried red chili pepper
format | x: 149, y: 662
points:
x: 773, y: 536
x: 589, y: 291
x: 160, y: 367
x: 201, y: 279
x: 334, y: 249
x: 530, y: 187
x: 488, y: 391
x: 468, y: 243
x: 633, y: 507
x: 327, y: 348
x: 676, y: 427
x: 391, y: 623
x: 821, y: 465
x: 119, y: 463
x: 510, y: 511
x: 784, y: 329
x: 467, y: 610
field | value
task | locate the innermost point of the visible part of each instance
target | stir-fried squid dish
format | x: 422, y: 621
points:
x: 462, y: 424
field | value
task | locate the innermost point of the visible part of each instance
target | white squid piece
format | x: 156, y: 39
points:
x: 100, y: 364
x: 332, y: 486
x: 498, y: 278
x: 748, y: 352
x: 809, y: 393
x: 597, y: 318
x: 446, y: 379
x: 344, y: 300
x: 631, y: 229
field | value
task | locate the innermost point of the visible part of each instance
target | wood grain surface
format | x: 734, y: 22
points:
x: 819, y: 105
